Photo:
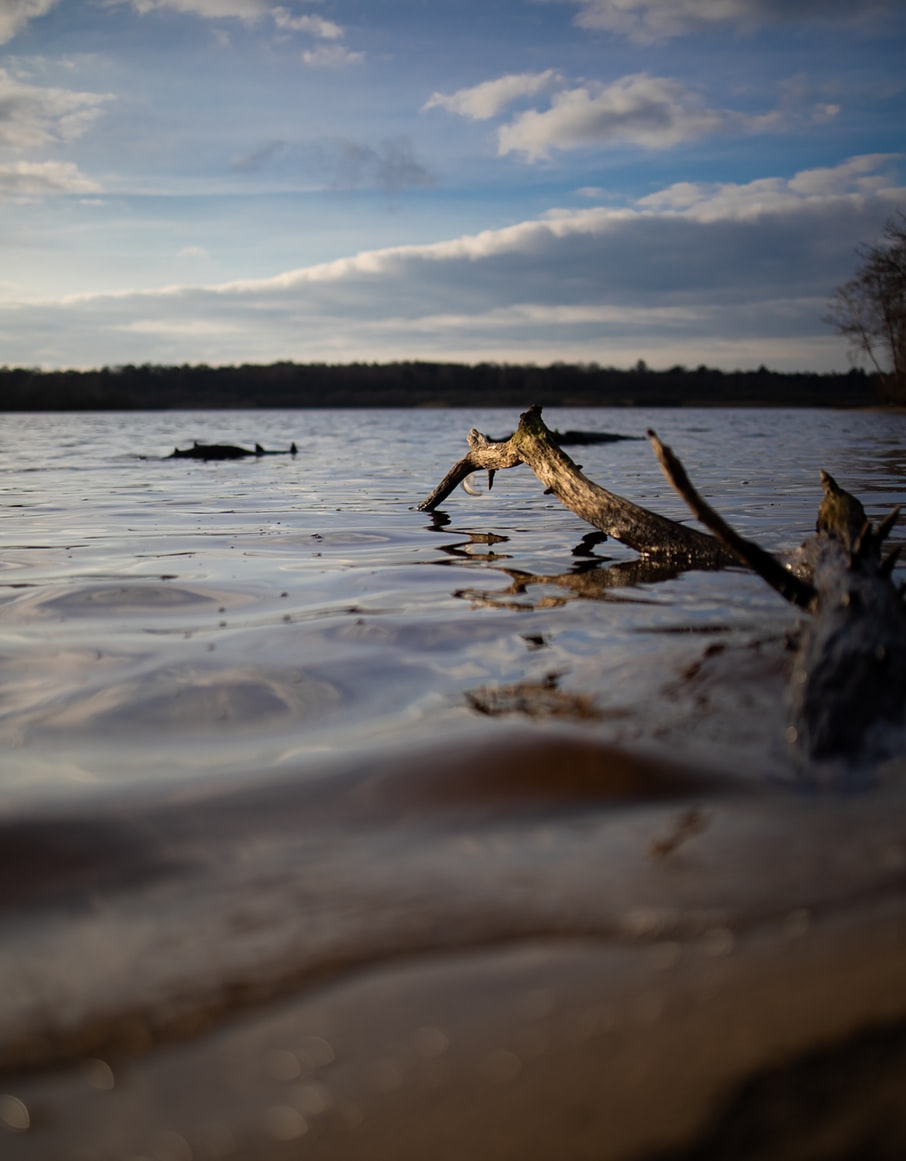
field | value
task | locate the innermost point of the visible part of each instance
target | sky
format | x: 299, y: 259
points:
x: 522, y: 181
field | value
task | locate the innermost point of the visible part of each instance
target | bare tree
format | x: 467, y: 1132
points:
x: 870, y: 309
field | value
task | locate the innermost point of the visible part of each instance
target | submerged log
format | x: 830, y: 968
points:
x: 225, y: 451
x: 574, y: 438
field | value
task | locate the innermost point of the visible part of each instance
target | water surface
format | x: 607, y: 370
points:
x: 169, y: 619
x: 324, y: 818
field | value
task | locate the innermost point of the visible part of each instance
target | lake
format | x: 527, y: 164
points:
x: 269, y: 734
x: 170, y: 619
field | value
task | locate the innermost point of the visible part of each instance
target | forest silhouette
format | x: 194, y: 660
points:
x: 423, y: 384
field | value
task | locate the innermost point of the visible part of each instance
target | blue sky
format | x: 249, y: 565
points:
x: 226, y: 181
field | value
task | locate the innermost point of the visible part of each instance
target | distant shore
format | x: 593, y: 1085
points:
x: 421, y: 384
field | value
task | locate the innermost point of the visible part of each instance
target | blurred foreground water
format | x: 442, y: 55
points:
x: 327, y: 821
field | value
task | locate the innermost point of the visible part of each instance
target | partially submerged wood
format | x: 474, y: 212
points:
x: 533, y: 444
x: 573, y: 438
x: 848, y: 682
x: 226, y: 451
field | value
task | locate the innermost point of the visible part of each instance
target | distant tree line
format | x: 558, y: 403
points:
x: 423, y: 384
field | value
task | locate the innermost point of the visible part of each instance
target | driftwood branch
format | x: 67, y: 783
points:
x: 848, y: 682
x: 533, y: 444
x: 484, y: 455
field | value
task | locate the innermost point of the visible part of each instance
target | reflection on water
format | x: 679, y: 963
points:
x: 588, y: 581
x: 238, y: 616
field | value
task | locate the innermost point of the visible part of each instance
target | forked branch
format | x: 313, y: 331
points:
x: 848, y: 686
x: 533, y: 444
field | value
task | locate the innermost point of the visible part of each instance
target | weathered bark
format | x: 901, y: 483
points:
x: 848, y: 683
x: 848, y: 687
x: 532, y: 444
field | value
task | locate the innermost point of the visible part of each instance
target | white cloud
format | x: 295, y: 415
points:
x: 183, y: 328
x: 856, y: 179
x: 540, y: 248
x: 859, y: 174
x: 30, y: 179
x: 316, y: 25
x: 654, y: 112
x: 193, y: 252
x: 733, y: 274
x: 648, y: 21
x: 31, y: 116
x: 15, y: 14
x: 331, y: 57
x: 248, y: 10
x: 647, y: 111
x: 481, y: 102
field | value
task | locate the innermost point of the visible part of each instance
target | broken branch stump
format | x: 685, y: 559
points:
x: 847, y: 688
